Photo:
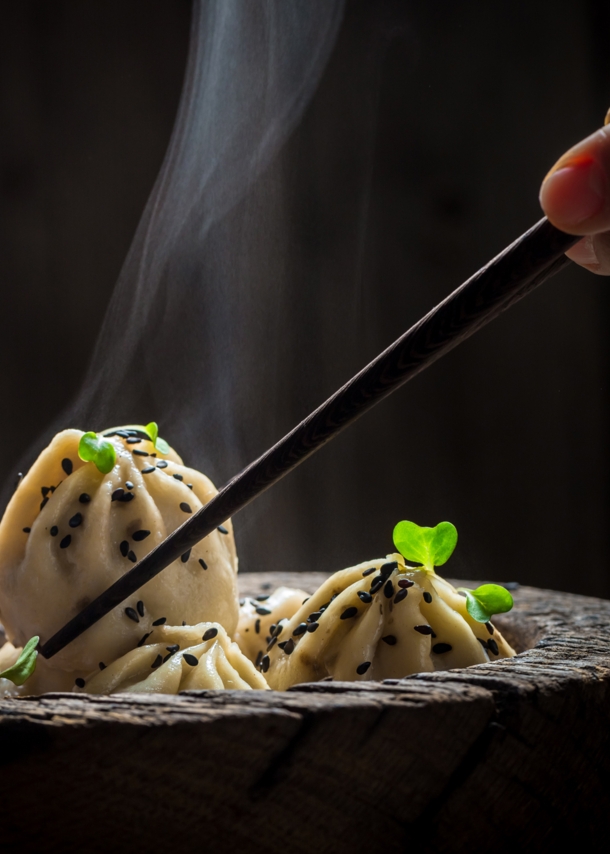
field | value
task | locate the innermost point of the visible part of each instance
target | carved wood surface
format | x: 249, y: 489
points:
x: 511, y: 754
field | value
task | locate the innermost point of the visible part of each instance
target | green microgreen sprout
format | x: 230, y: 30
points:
x: 428, y: 546
x: 25, y: 665
x: 95, y: 449
x: 160, y: 444
x: 487, y: 600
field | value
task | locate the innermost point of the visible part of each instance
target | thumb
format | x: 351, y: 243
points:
x: 575, y: 195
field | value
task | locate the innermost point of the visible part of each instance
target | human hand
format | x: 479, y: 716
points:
x: 575, y: 196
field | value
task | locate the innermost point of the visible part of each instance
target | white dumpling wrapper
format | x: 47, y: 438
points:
x: 256, y: 616
x: 43, y: 585
x: 220, y: 664
x: 380, y: 640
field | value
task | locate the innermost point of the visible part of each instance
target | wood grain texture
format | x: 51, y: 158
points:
x: 497, y: 756
x: 530, y: 260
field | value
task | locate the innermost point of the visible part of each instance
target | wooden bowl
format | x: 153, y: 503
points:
x: 506, y: 756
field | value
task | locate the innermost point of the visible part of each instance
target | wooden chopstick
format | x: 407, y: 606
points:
x: 530, y: 260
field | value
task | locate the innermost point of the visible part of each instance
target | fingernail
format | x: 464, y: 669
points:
x: 574, y: 192
x: 583, y: 252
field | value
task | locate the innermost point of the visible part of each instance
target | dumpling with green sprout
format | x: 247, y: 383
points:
x: 89, y: 508
x: 388, y: 618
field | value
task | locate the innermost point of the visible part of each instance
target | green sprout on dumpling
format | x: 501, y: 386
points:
x: 95, y: 449
x: 432, y: 547
x: 25, y: 665
x: 160, y: 444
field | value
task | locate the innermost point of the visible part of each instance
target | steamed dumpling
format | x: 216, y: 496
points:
x: 379, y: 620
x: 70, y: 531
x: 178, y: 658
x: 257, y: 617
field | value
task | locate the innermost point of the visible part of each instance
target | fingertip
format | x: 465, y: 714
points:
x: 574, y: 193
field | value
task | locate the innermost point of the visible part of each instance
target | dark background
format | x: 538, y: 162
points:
x: 419, y: 158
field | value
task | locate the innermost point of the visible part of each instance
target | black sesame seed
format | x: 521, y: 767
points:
x: 26, y: 530
x: 263, y: 612
x: 314, y: 617
x: 157, y: 662
x: 257, y: 626
x: 424, y: 630
x: 80, y: 683
x: 54, y: 531
x: 482, y: 642
x: 132, y: 614
x: 66, y: 465
x: 289, y: 647
x: 185, y: 556
x: 124, y: 547
x: 404, y: 582
x: 173, y: 648
x: 222, y: 529
x: 390, y: 640
x: 160, y: 621
x: 427, y: 597
x: 202, y: 563
x: 131, y: 555
x: 84, y: 498
x: 143, y: 639
x: 178, y: 476
x: 440, y: 648
x: 402, y: 594
x: 493, y: 646
x: 185, y: 507
x: 259, y: 658
x: 388, y: 590
x: 45, y: 490
x: 277, y: 631
x: 101, y: 665
x: 140, y: 535
x: 262, y: 598
x: 167, y: 657
x: 127, y: 496
x: 283, y: 644
x: 43, y: 502
x: 369, y: 571
x: 162, y: 464
x: 139, y: 452
x: 376, y: 584
x: 129, y: 484
x: 365, y: 597
x: 190, y: 485
x: 140, y: 608
x: 148, y: 470
x: 362, y: 668
x: 489, y: 628
x: 387, y: 569
x: 312, y: 627
x: 265, y: 662
x: 209, y: 634
x: 271, y: 643
x: 300, y: 630
x: 65, y: 542
x: 348, y: 613
x: 117, y: 494
x: 133, y: 441
x: 76, y: 520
